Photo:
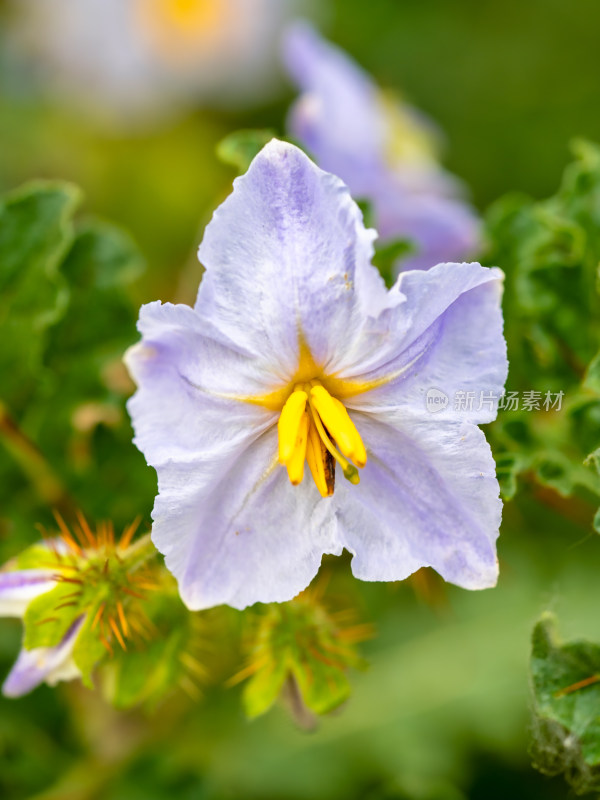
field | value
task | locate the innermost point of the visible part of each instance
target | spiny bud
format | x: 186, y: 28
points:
x: 302, y: 649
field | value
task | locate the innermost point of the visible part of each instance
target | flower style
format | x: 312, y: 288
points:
x: 384, y: 151
x: 296, y: 353
x: 41, y: 664
x: 139, y: 58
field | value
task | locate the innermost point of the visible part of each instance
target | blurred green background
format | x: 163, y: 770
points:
x: 442, y: 713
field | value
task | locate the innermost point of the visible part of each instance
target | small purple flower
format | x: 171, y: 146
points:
x: 42, y: 664
x: 382, y: 150
x: 296, y: 354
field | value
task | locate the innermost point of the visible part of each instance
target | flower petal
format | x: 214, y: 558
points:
x: 288, y: 260
x: 188, y: 377
x: 427, y: 497
x: 445, y: 335
x: 346, y: 123
x: 441, y: 228
x: 244, y: 534
x: 49, y: 664
x: 18, y: 589
x: 339, y: 116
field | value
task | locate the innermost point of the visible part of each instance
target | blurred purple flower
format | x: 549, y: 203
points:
x: 42, y: 664
x: 292, y: 327
x: 384, y: 152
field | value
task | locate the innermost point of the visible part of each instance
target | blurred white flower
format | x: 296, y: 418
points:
x: 140, y: 58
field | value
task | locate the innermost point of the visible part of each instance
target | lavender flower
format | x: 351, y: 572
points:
x: 295, y: 354
x: 384, y: 152
x: 42, y: 664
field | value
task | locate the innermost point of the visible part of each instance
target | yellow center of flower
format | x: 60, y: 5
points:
x: 176, y: 28
x: 315, y: 427
x: 408, y: 141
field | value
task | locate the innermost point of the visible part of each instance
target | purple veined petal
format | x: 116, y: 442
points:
x: 339, y: 116
x: 288, y: 258
x: 427, y: 497
x: 447, y: 338
x: 43, y: 664
x: 18, y: 588
x: 246, y: 535
x: 185, y: 407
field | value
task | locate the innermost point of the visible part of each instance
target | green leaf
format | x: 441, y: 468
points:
x: 550, y: 251
x: 35, y: 233
x: 566, y: 691
x: 555, y: 470
x: 592, y: 376
x: 366, y: 208
x: 239, y: 148
x: 102, y: 256
x: 386, y: 258
x: 508, y: 467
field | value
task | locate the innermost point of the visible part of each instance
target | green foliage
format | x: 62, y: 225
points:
x: 387, y: 257
x: 550, y: 252
x: 566, y: 688
x: 65, y: 318
x: 36, y: 231
x: 239, y: 148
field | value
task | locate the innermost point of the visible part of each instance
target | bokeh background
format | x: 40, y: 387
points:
x: 442, y: 712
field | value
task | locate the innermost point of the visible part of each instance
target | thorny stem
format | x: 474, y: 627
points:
x: 48, y: 485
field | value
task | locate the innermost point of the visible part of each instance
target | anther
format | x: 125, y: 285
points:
x: 340, y: 426
x: 288, y: 426
x: 295, y: 464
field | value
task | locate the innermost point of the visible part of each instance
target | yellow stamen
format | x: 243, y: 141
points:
x: 358, y: 453
x: 288, y: 426
x: 338, y: 423
x: 295, y: 465
x: 315, y: 456
x: 350, y: 471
